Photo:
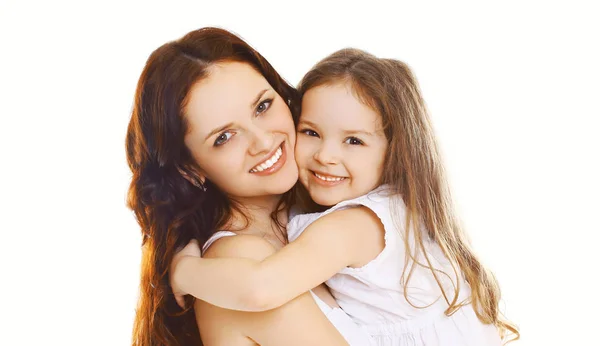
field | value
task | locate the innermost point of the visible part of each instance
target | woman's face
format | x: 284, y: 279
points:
x: 241, y: 132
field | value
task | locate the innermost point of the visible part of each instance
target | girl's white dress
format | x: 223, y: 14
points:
x: 373, y: 295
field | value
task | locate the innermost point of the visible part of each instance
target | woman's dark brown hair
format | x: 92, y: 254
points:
x: 171, y: 210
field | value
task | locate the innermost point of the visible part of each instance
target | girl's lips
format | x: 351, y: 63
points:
x: 327, y: 183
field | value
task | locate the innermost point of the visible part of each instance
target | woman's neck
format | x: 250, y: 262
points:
x: 255, y: 216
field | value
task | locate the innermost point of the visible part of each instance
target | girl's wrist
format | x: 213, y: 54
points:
x: 182, y: 272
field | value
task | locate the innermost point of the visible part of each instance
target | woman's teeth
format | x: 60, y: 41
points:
x: 328, y: 178
x: 269, y: 163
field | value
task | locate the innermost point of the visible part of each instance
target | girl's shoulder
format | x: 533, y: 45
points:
x: 379, y: 201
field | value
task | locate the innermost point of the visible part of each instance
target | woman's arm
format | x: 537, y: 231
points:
x: 350, y: 237
x: 299, y: 322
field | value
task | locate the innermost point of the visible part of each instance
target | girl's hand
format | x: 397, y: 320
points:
x: 192, y: 249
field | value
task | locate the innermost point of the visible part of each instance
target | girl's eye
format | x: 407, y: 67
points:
x: 353, y: 141
x: 223, y: 138
x: 263, y: 106
x: 309, y: 133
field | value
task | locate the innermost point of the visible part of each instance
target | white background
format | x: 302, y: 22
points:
x: 513, y: 88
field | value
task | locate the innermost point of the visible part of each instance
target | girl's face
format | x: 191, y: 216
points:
x: 241, y: 132
x: 341, y: 147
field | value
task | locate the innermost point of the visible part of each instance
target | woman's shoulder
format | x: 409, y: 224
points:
x: 240, y: 245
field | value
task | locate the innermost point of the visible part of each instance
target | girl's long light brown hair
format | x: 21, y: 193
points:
x: 413, y: 168
x: 170, y: 210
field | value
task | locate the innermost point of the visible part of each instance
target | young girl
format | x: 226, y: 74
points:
x: 389, y: 247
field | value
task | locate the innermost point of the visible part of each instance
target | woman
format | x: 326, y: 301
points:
x: 210, y: 144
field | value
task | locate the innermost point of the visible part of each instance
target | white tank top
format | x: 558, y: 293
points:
x: 374, y: 295
x: 354, y: 335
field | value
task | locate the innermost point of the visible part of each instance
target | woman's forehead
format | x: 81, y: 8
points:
x: 229, y: 89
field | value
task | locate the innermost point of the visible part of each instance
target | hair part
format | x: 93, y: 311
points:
x: 413, y: 168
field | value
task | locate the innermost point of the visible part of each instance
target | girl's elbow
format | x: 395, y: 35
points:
x: 260, y: 298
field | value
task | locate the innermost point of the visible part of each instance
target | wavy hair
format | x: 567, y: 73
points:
x: 169, y: 208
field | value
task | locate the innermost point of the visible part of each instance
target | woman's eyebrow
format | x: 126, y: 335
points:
x: 257, y: 99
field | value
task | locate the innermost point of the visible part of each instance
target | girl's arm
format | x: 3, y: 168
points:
x: 350, y: 237
x: 299, y: 322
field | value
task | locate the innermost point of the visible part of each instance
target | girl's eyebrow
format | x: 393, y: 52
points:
x: 356, y: 132
x: 306, y: 122
x: 346, y: 132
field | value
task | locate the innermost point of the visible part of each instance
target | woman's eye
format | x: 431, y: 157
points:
x: 353, y: 141
x: 310, y: 133
x: 263, y: 106
x: 223, y: 138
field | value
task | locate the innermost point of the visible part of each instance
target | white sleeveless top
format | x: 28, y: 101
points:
x: 354, y: 335
x: 373, y: 295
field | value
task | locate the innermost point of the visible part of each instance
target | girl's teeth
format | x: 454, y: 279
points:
x: 329, y: 178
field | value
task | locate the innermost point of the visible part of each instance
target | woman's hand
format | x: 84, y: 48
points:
x: 192, y: 249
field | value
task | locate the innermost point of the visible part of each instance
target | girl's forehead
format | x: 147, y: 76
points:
x: 338, y: 105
